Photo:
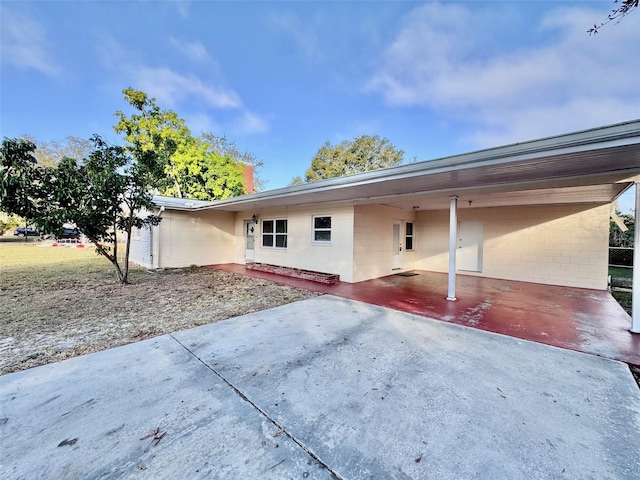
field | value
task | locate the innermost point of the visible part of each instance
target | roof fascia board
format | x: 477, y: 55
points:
x: 248, y: 203
x: 623, y: 134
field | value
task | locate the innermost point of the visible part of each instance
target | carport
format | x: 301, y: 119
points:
x: 588, y: 169
x: 583, y: 320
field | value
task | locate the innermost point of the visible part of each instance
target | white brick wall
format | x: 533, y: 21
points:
x: 301, y: 251
x: 373, y: 242
x: 140, y: 252
x: 557, y: 245
x: 195, y: 238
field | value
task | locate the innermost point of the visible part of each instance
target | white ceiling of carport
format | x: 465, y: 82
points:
x: 551, y: 196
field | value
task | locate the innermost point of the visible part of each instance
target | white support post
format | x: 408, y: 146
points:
x: 453, y: 244
x: 635, y: 302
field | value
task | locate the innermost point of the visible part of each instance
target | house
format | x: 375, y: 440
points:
x: 536, y: 211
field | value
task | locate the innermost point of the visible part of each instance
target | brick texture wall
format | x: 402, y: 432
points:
x: 319, y: 277
x: 556, y: 245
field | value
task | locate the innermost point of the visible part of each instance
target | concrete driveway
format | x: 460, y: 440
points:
x: 324, y: 388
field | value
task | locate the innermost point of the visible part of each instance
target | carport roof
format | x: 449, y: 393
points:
x: 590, y: 166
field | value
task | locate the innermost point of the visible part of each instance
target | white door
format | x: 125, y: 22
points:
x: 469, y: 255
x: 396, y: 257
x: 249, y: 240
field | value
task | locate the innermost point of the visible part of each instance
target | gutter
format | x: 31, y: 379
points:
x: 627, y: 133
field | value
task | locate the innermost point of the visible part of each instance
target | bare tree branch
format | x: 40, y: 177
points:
x: 624, y: 8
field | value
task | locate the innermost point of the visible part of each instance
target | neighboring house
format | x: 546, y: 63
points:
x: 536, y: 211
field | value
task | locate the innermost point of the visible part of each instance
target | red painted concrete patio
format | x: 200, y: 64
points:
x: 589, y: 321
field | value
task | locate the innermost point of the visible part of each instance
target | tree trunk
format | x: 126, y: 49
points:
x: 112, y: 258
x: 128, y: 247
x: 121, y: 275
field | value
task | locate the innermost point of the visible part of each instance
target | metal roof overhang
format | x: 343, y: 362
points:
x: 593, y: 166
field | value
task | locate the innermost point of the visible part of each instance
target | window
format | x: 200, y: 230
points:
x: 274, y: 233
x: 408, y: 237
x: 322, y: 229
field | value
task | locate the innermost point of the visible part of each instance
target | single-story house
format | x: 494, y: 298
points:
x: 536, y: 211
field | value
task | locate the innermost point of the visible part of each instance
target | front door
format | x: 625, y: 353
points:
x: 396, y: 257
x: 249, y: 240
x: 469, y: 255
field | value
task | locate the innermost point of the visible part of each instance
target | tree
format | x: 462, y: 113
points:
x: 192, y: 168
x: 297, y: 180
x: 362, y: 154
x: 624, y: 8
x: 227, y: 148
x: 103, y: 195
x: 618, y: 238
x: 199, y: 173
x: 48, y: 154
x: 20, y: 178
x: 9, y: 222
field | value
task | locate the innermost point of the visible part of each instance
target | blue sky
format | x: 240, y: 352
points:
x: 281, y: 78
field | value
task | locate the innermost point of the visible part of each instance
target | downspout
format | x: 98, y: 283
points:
x: 635, y: 289
x: 453, y: 243
x: 155, y: 242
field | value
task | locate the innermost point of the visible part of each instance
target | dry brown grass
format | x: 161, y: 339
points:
x: 56, y: 303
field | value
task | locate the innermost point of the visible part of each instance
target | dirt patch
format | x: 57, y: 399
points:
x: 55, y: 316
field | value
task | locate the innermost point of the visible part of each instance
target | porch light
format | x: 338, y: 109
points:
x: 255, y: 218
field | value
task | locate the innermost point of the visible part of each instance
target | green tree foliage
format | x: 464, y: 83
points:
x: 48, y: 154
x: 297, y: 180
x: 227, y: 148
x: 362, y: 154
x: 20, y: 179
x: 623, y: 8
x: 102, y: 195
x: 9, y: 222
x: 618, y: 238
x: 191, y: 166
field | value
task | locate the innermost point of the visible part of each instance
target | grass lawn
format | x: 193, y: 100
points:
x: 619, y: 272
x: 11, y: 239
x: 59, y: 302
x: 621, y: 278
x: 624, y: 299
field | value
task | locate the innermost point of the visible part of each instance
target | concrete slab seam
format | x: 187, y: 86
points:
x: 262, y: 412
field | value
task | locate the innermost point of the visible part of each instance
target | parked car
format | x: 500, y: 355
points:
x: 26, y: 232
x: 72, y: 233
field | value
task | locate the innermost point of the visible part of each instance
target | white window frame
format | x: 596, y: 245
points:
x: 314, y: 230
x: 274, y: 234
x: 412, y: 236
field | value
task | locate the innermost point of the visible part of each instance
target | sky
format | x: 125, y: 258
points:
x: 282, y: 78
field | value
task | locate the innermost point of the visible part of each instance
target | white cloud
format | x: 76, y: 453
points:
x: 24, y: 44
x: 188, y: 93
x: 251, y: 123
x: 444, y: 59
x: 113, y: 55
x: 169, y: 88
x: 182, y: 6
x: 192, y: 50
x: 303, y: 34
x: 200, y: 122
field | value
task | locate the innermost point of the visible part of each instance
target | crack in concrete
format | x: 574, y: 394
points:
x: 262, y: 412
